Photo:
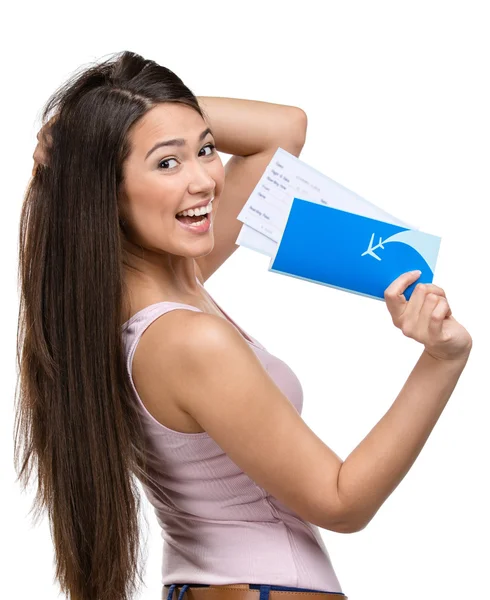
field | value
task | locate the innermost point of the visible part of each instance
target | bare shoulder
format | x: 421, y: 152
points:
x: 183, y: 333
x: 180, y: 346
x: 203, y: 366
x: 162, y: 344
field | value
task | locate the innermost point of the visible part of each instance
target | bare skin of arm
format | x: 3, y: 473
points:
x: 212, y: 373
x: 379, y: 463
x: 214, y: 376
x: 251, y: 131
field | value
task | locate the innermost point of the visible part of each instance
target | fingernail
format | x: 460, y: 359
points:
x: 416, y: 272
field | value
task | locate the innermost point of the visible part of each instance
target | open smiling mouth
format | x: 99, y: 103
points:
x: 198, y: 222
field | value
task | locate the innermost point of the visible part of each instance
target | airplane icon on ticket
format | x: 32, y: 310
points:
x: 371, y: 248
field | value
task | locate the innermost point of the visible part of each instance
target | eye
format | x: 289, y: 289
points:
x: 166, y: 160
x: 210, y: 147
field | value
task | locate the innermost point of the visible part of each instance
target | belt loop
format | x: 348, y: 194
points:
x: 183, y: 591
x: 264, y: 592
x: 171, y: 591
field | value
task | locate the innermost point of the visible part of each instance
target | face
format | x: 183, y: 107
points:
x: 161, y: 180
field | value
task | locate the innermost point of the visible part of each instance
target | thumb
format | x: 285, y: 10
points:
x: 394, y: 298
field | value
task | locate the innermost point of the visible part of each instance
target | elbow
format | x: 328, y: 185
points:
x: 346, y: 522
x: 297, y: 125
x: 350, y: 526
x: 300, y: 129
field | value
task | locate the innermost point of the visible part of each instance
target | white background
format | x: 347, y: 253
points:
x: 397, y: 100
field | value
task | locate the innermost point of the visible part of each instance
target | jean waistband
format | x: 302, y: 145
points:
x: 243, y: 591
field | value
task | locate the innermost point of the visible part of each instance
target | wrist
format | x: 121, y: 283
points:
x: 458, y: 362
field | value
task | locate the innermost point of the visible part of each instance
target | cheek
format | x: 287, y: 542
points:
x: 148, y: 201
x: 219, y: 177
x: 155, y: 191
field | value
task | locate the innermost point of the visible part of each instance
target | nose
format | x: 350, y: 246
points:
x: 201, y: 180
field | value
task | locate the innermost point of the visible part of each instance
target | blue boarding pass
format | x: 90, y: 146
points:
x: 350, y: 252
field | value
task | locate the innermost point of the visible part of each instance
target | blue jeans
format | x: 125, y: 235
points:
x: 264, y: 589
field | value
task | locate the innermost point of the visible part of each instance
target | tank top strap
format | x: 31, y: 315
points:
x: 134, y: 327
x: 144, y: 317
x: 132, y: 330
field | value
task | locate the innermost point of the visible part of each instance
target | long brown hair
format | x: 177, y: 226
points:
x: 76, y: 418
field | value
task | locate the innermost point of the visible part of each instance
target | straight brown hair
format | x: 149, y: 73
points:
x: 76, y: 420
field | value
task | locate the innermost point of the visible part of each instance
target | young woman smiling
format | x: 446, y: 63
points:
x: 198, y: 410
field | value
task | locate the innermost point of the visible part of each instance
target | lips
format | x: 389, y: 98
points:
x: 205, y: 203
x: 186, y: 222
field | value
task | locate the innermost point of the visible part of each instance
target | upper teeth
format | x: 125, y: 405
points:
x: 195, y: 212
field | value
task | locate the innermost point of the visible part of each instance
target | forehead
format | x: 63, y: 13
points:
x: 166, y: 121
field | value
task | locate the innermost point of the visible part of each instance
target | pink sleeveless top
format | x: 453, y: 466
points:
x: 218, y: 525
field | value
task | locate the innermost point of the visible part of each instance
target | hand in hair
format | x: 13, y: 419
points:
x: 44, y: 141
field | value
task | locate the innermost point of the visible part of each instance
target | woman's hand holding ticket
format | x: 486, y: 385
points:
x: 427, y: 318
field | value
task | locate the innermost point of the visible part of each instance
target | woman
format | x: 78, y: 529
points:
x: 197, y: 409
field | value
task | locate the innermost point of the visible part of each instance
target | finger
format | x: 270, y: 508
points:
x: 44, y: 135
x: 422, y: 327
x: 412, y: 311
x: 43, y: 130
x: 39, y: 157
x: 435, y: 289
x: 440, y: 312
x: 394, y: 298
x: 414, y: 306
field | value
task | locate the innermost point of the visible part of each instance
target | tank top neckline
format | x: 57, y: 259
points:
x: 244, y: 335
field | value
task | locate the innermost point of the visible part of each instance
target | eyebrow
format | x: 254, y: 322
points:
x: 177, y: 142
